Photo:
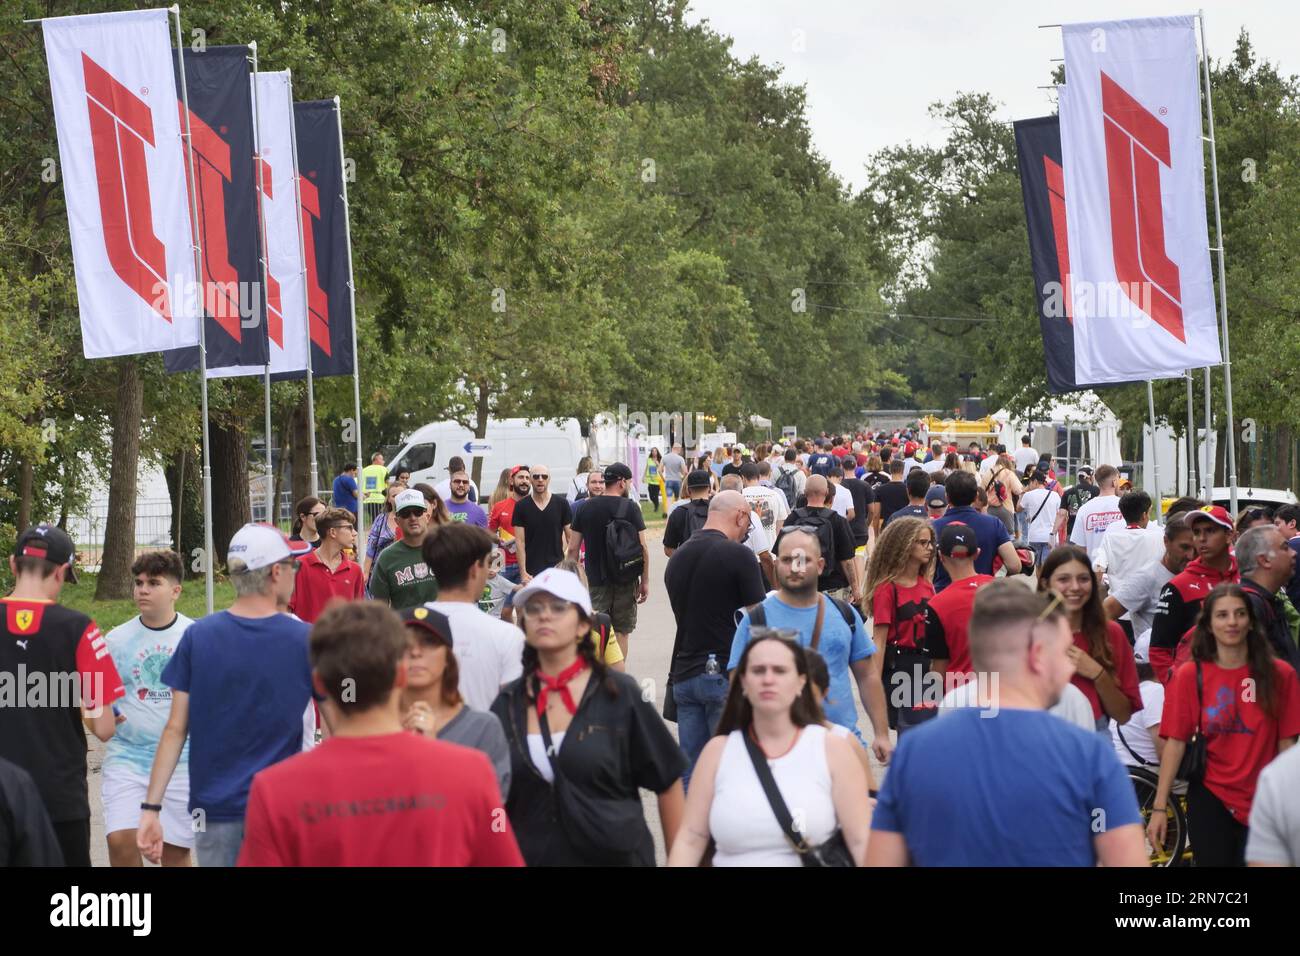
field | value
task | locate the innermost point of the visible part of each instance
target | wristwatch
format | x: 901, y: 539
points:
x: 155, y: 807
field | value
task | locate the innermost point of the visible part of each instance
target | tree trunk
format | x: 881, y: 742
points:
x: 185, y: 488
x: 480, y: 431
x: 302, y: 482
x: 119, y: 530
x: 231, y: 507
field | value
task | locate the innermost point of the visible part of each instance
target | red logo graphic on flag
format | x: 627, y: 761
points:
x: 318, y: 303
x: 121, y: 124
x: 1137, y: 143
x: 212, y: 167
x: 274, y: 310
x: 1056, y: 198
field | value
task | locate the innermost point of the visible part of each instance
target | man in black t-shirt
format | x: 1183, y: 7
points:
x: 918, y: 487
x: 42, y: 638
x: 865, y: 510
x: 619, y: 601
x: 892, y: 495
x: 737, y: 459
x: 690, y: 514
x: 840, y: 579
x: 541, y: 522
x: 709, y: 578
x: 1079, y: 495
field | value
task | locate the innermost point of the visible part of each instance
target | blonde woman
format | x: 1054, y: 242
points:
x: 898, y: 591
x: 502, y: 491
x: 1004, y: 490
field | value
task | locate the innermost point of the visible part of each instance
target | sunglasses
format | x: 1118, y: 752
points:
x: 556, y: 606
x: 410, y: 512
x: 460, y: 481
x: 541, y: 477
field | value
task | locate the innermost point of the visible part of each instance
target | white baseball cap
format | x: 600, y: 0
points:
x: 262, y: 545
x: 561, y: 584
x: 410, y: 498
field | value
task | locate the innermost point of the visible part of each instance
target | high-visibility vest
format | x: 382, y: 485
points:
x: 372, y: 484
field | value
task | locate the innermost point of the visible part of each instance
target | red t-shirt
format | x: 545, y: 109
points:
x: 946, y: 619
x: 1126, y: 675
x: 502, y: 517
x: 1240, y: 738
x: 903, y: 609
x: 392, y: 800
x: 316, y: 586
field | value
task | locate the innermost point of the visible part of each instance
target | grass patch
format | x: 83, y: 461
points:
x: 109, y: 614
x: 654, y: 519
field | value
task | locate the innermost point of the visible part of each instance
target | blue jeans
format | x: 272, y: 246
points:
x: 699, y: 708
x: 1022, y: 525
x: 511, y: 573
x: 1041, y: 550
x: 674, y: 488
x: 909, y: 718
x: 218, y: 843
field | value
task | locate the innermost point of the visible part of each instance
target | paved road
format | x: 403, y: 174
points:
x: 648, y: 656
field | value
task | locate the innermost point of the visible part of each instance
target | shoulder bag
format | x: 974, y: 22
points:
x: 834, y: 852
x: 1192, y: 767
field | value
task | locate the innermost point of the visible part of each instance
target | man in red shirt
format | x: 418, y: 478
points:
x: 326, y: 573
x: 374, y: 794
x: 501, y: 518
x: 42, y: 730
x: 948, y: 613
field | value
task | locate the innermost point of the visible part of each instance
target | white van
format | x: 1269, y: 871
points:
x: 514, y: 441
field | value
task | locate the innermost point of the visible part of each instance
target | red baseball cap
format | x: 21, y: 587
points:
x: 1216, y: 513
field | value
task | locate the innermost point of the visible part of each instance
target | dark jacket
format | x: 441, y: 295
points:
x: 1175, y: 614
x: 1269, y: 613
x: 615, y: 745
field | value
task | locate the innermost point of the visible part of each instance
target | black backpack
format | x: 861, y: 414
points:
x: 820, y: 519
x: 786, y: 484
x: 696, y: 517
x: 624, y: 559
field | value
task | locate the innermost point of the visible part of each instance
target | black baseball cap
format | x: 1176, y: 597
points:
x: 699, y: 478
x: 617, y: 472
x: 50, y: 543
x: 958, y: 540
x: 428, y: 620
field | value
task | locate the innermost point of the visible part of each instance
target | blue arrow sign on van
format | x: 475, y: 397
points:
x: 477, y: 448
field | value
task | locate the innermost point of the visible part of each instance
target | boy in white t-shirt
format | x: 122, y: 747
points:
x: 1099, y: 513
x: 140, y: 649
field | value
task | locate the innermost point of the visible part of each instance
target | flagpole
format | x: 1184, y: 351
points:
x: 1207, y: 455
x: 1155, y: 466
x: 1191, y: 435
x: 1230, y: 450
x: 208, y: 551
x: 306, y: 303
x: 271, y: 517
x: 352, y: 289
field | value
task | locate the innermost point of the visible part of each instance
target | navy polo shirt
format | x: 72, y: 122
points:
x: 990, y: 532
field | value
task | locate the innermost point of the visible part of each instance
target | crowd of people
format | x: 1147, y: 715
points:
x: 417, y: 675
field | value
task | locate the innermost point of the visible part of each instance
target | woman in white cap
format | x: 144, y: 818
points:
x: 583, y: 741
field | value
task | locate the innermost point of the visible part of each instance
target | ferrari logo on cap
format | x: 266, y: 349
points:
x: 24, y: 620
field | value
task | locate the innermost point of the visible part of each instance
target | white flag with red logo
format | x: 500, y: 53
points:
x: 1142, y: 293
x: 286, y: 316
x: 121, y: 157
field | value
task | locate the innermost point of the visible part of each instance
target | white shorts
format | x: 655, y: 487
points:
x: 124, y: 792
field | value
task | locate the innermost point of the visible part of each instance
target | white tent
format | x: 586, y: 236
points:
x: 1077, y: 428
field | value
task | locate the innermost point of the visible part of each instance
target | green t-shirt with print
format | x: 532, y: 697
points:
x: 401, y: 578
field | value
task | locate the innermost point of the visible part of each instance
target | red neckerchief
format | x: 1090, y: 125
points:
x: 1133, y: 527
x: 559, y: 682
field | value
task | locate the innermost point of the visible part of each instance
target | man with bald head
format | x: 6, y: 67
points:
x: 840, y: 577
x: 709, y: 578
x: 1007, y: 783
x: 840, y: 637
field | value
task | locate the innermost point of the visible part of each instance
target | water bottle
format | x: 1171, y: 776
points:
x: 712, y: 667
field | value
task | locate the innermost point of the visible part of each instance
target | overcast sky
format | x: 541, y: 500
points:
x: 872, y: 68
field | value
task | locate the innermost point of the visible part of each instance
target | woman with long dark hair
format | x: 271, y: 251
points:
x: 1246, y: 705
x: 771, y: 702
x: 1104, y: 668
x: 583, y: 741
x: 304, y: 521
x: 654, y: 464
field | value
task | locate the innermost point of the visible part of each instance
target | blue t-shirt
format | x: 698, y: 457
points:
x: 1019, y: 788
x: 249, y: 681
x: 821, y: 463
x: 838, y: 645
x: 345, y: 493
x: 990, y: 533
x: 140, y: 655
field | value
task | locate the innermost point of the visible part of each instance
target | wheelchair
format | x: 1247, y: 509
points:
x: 1176, y: 850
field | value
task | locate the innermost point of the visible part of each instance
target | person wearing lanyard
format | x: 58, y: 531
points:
x: 583, y: 742
x: 898, y: 591
x: 1103, y: 660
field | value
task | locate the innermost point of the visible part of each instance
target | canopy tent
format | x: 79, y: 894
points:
x: 1077, y: 428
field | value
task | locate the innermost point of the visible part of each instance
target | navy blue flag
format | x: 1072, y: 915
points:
x: 221, y: 125
x: 325, y: 243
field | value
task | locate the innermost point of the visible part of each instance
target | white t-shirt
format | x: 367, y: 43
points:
x: 1124, y: 551
x: 768, y: 504
x: 488, y: 650
x: 843, y: 501
x: 1137, y: 732
x: 1073, y: 706
x: 1026, y: 458
x: 908, y: 464
x: 1040, y: 528
x: 930, y: 467
x: 757, y: 539
x: 1092, y: 521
